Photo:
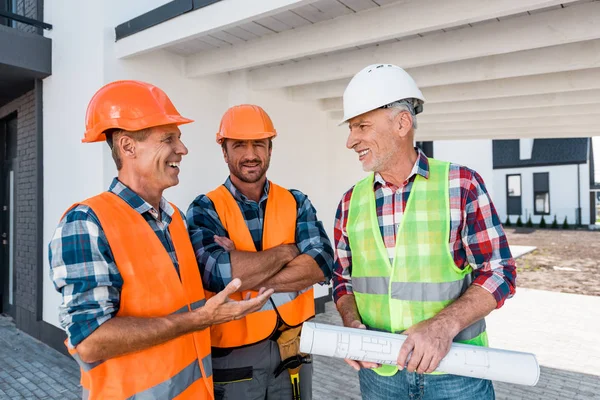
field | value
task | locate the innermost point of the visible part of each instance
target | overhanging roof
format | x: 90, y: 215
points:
x: 479, y: 64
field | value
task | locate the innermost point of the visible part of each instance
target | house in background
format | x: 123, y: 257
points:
x: 532, y: 177
x: 545, y: 178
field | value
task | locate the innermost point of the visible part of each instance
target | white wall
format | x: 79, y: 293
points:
x: 309, y: 154
x: 563, y: 192
x: 72, y: 171
x: 475, y: 154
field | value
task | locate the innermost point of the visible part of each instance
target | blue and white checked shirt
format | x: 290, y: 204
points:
x: 215, y: 263
x: 83, y: 268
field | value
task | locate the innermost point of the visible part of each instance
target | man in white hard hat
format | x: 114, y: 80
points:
x: 419, y: 246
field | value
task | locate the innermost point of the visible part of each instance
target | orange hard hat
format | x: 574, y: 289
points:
x: 245, y: 122
x: 131, y: 106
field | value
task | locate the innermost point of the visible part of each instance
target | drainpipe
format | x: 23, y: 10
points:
x: 578, y: 196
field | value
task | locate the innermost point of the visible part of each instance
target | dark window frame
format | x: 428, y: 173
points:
x: 520, y: 197
x: 538, y: 192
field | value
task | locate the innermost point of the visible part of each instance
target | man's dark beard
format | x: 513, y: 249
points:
x: 237, y: 172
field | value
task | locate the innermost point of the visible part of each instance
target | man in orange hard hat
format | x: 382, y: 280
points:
x: 133, y: 303
x: 252, y: 229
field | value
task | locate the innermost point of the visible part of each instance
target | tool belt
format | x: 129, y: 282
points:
x: 288, y: 341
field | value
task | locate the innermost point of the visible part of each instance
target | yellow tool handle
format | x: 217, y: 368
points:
x: 295, y: 378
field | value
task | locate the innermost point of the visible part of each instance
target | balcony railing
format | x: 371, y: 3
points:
x: 10, y: 16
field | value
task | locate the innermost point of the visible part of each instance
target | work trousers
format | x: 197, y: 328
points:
x: 247, y: 373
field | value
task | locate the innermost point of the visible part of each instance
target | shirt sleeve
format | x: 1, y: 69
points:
x: 342, y: 268
x: 214, y: 262
x: 83, y: 270
x: 486, y: 245
x: 311, y: 237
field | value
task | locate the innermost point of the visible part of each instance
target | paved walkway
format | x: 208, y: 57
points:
x: 561, y: 329
x: 31, y: 370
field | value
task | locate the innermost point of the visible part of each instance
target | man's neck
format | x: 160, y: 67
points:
x: 147, y: 193
x: 253, y: 191
x: 399, y: 172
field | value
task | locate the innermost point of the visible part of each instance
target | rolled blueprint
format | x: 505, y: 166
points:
x: 383, y: 348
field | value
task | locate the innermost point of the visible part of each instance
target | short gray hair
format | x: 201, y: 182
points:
x: 404, y: 105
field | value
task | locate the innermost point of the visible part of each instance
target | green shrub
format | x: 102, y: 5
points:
x: 554, y: 223
x: 542, y: 222
x: 529, y: 224
x: 519, y: 222
x: 565, y: 224
x: 507, y: 223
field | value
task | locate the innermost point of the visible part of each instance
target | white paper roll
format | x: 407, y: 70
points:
x: 383, y: 348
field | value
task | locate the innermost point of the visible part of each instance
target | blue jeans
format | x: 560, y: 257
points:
x: 413, y: 386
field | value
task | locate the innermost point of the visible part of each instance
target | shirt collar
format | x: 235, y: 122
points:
x: 421, y: 167
x: 240, y: 196
x: 140, y: 205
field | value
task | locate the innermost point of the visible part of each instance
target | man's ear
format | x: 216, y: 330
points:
x: 403, y: 123
x: 127, y: 146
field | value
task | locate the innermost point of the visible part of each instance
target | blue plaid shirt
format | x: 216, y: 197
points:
x: 83, y: 268
x: 215, y: 263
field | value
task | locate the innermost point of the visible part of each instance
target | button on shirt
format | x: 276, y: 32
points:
x: 83, y: 267
x: 215, y: 262
x: 476, y: 234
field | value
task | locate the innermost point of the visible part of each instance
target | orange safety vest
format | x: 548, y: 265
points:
x: 180, y: 368
x: 279, y: 228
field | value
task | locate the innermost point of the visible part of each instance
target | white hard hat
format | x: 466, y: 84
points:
x: 376, y: 86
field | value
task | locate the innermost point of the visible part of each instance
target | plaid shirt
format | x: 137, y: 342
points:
x: 215, y: 263
x: 83, y: 268
x: 476, y: 234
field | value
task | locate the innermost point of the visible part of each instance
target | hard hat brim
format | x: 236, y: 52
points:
x: 244, y: 136
x: 97, y: 133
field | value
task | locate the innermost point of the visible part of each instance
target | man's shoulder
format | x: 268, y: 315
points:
x: 79, y: 220
x: 348, y: 193
x: 345, y: 199
x: 459, y: 171
x: 202, y: 201
x: 79, y: 212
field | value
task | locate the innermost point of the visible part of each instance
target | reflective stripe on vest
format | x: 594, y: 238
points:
x: 279, y: 228
x: 174, y: 386
x: 412, y: 291
x: 151, y: 288
x: 423, y: 278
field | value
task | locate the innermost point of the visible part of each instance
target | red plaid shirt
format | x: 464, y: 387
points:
x: 476, y: 234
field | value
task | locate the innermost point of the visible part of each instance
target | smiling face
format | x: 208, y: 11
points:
x: 156, y: 159
x: 374, y: 138
x: 248, y: 160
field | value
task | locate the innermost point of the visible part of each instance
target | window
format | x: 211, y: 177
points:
x: 541, y: 193
x: 513, y: 195
x: 514, y: 185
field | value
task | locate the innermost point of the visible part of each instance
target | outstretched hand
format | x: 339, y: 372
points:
x: 221, y: 308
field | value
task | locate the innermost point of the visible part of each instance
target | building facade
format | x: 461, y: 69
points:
x: 491, y: 70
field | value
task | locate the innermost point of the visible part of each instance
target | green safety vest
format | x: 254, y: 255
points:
x: 423, y: 278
